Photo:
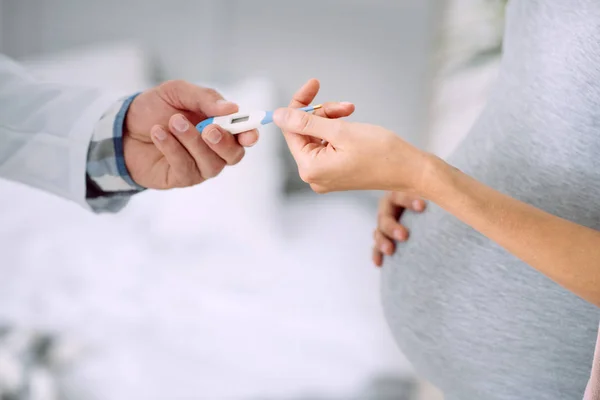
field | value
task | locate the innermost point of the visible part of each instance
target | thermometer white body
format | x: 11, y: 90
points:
x: 238, y: 122
x: 244, y: 121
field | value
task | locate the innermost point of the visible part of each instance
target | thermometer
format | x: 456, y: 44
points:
x: 245, y: 121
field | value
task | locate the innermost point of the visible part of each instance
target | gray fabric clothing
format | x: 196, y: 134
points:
x: 473, y: 319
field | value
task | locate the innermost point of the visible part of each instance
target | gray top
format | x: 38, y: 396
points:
x: 473, y: 319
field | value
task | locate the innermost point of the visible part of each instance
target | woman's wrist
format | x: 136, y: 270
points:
x: 411, y: 170
x: 435, y: 178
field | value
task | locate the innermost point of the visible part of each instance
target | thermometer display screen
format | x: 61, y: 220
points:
x: 240, y: 119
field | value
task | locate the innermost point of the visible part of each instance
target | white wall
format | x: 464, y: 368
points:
x: 372, y: 52
x: 1, y: 48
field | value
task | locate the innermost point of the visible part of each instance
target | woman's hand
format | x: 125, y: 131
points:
x: 389, y: 229
x: 336, y: 155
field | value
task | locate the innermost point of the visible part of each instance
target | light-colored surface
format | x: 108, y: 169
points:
x: 223, y: 310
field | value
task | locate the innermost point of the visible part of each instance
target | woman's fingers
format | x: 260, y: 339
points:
x: 302, y: 123
x: 401, y: 199
x: 377, y: 257
x: 390, y: 209
x: 306, y: 94
x: 302, y: 98
x: 389, y: 229
x: 383, y: 243
x: 180, y: 169
x: 333, y: 110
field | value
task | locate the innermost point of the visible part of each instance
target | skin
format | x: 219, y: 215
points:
x: 161, y: 145
x: 389, y: 230
x: 336, y: 155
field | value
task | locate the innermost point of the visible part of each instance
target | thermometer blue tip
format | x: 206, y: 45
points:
x: 204, y: 124
x: 268, y: 118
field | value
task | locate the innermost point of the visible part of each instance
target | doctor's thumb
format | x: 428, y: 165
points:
x: 187, y: 96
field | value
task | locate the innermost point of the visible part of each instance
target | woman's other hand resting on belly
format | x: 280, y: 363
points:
x: 389, y: 229
x: 336, y: 155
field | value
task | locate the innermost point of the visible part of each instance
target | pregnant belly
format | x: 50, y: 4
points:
x: 479, y: 323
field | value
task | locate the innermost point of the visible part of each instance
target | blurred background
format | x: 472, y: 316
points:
x: 210, y: 292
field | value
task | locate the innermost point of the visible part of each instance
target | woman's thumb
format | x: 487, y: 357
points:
x: 303, y: 123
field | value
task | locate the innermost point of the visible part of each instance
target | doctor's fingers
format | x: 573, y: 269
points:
x: 208, y: 162
x: 223, y: 143
x: 248, y: 139
x: 180, y: 169
x: 197, y: 99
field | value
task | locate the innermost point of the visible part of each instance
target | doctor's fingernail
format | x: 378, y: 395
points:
x: 180, y: 124
x: 223, y: 101
x: 214, y: 136
x: 160, y: 134
x: 346, y: 103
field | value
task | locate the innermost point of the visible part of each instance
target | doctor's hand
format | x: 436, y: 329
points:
x: 337, y: 155
x: 161, y: 145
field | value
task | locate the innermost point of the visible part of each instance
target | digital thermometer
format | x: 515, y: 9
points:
x: 245, y: 121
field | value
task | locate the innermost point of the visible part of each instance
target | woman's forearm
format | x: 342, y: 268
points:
x: 566, y: 252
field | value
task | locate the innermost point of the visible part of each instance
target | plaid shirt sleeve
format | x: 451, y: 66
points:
x: 108, y: 183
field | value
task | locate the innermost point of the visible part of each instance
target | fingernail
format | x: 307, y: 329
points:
x: 418, y: 205
x: 386, y: 248
x: 214, y: 136
x: 223, y: 101
x: 346, y: 103
x: 180, y: 124
x: 398, y: 234
x: 160, y: 134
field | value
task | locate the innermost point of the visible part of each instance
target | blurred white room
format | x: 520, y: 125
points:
x: 209, y: 292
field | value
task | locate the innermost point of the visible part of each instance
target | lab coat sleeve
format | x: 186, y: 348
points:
x: 45, y: 131
x: 109, y: 185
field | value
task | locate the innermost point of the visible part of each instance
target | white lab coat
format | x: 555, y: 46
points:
x: 45, y: 131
